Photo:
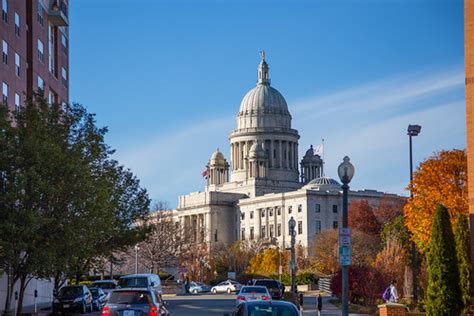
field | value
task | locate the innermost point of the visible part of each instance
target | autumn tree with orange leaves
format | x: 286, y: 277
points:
x: 362, y: 217
x: 441, y: 179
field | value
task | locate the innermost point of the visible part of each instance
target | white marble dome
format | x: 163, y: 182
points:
x: 217, y: 158
x: 323, y: 184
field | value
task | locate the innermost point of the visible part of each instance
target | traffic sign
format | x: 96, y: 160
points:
x: 344, y: 231
x: 344, y: 255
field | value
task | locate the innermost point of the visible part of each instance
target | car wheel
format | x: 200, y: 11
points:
x: 195, y: 291
x: 229, y: 291
x: 214, y: 291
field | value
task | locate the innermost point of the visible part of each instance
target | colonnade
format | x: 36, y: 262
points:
x: 218, y: 175
x: 197, y: 225
x: 310, y: 172
x: 281, y: 153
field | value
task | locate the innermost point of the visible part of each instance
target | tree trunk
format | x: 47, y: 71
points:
x: 8, y: 297
x: 23, y: 285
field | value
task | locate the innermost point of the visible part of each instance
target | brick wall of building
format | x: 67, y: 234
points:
x: 469, y: 64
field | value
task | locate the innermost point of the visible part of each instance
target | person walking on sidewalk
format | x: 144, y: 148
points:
x: 319, y: 304
x: 393, y: 292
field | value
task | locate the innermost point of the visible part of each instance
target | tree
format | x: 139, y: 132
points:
x: 444, y: 293
x: 464, y: 260
x: 389, y: 209
x: 441, y: 179
x: 361, y: 217
x: 267, y: 262
x: 64, y: 202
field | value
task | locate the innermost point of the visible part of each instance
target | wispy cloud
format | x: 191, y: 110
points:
x: 366, y: 121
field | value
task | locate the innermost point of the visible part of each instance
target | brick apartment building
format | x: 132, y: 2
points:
x: 469, y: 64
x: 35, y: 50
x: 35, y: 56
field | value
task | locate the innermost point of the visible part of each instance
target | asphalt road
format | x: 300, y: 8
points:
x: 201, y: 304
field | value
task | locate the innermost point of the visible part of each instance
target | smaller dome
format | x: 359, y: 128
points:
x: 323, y: 183
x: 256, y: 151
x: 217, y: 157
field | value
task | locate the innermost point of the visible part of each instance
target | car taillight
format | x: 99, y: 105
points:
x: 241, y: 298
x: 153, y: 311
x: 106, y: 311
x: 265, y: 297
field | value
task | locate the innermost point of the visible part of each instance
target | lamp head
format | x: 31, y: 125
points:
x: 346, y: 170
x: 292, y: 223
x: 413, y: 130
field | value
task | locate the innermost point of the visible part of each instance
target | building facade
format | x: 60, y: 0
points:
x: 469, y: 65
x: 35, y: 58
x: 35, y: 50
x: 254, y: 195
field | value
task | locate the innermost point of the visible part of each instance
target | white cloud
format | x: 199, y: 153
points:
x: 367, y: 122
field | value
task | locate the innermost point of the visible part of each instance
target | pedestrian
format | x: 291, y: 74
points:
x: 390, y: 294
x: 319, y: 304
x: 186, y: 285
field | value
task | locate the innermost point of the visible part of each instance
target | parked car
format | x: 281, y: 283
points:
x: 99, y: 297
x: 151, y: 281
x: 76, y: 298
x: 252, y: 293
x: 130, y: 302
x: 228, y: 286
x: 198, y: 287
x: 273, y: 286
x: 106, y: 285
x: 266, y: 308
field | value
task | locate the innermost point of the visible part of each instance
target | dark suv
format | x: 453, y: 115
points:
x: 75, y: 298
x: 273, y: 287
x: 131, y: 302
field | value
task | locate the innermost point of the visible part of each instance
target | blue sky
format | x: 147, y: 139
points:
x: 167, y: 78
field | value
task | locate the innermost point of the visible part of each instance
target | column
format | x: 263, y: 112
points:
x: 241, y: 158
x: 296, y: 155
x: 208, y: 227
x: 280, y: 155
x: 259, y: 223
x: 287, y: 160
x: 232, y: 155
x: 290, y: 155
x: 272, y: 148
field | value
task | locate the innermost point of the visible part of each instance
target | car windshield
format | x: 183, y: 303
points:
x: 267, y: 283
x: 104, y: 285
x: 71, y: 291
x: 256, y: 310
x: 253, y: 289
x: 94, y: 292
x: 130, y: 297
x: 134, y: 282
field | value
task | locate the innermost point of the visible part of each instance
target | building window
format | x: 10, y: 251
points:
x: 251, y: 214
x: 278, y: 230
x: 318, y: 227
x: 335, y: 224
x: 262, y: 231
x: 17, y: 24
x: 17, y: 103
x: 251, y: 233
x: 242, y: 216
x: 242, y: 234
x: 278, y: 210
x: 290, y: 209
x: 17, y: 64
x: 5, y: 11
x: 215, y: 235
x: 5, y: 93
x: 262, y: 212
x: 300, y: 208
x: 52, y: 50
x: 64, y: 43
x: 334, y: 208
x: 300, y: 227
x: 5, y: 52
x: 318, y: 208
x: 40, y: 84
x: 40, y: 13
x: 52, y: 96
x: 40, y: 51
x: 64, y: 76
x: 270, y: 212
x: 271, y: 231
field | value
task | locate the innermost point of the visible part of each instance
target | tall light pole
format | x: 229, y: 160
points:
x: 136, y: 258
x: 413, y: 130
x: 346, y: 172
x: 291, y: 225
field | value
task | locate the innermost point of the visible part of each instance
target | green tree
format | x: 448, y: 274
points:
x: 443, y: 293
x: 64, y: 202
x: 461, y: 234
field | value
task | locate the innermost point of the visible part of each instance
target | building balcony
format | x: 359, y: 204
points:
x: 58, y: 12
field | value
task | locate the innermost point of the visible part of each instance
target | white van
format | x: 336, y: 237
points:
x: 151, y: 281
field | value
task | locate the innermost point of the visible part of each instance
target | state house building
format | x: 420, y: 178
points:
x: 254, y: 194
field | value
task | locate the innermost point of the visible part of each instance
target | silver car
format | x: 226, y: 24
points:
x: 252, y: 293
x: 134, y: 302
x: 228, y: 286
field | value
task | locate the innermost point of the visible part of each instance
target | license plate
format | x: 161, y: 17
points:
x: 66, y: 305
x: 128, y: 313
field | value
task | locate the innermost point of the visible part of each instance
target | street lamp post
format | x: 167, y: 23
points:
x: 136, y: 258
x: 346, y: 172
x: 413, y: 130
x: 291, y: 225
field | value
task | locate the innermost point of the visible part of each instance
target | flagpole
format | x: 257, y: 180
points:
x: 323, y: 157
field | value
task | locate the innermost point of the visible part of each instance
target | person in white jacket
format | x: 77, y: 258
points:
x: 393, y: 292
